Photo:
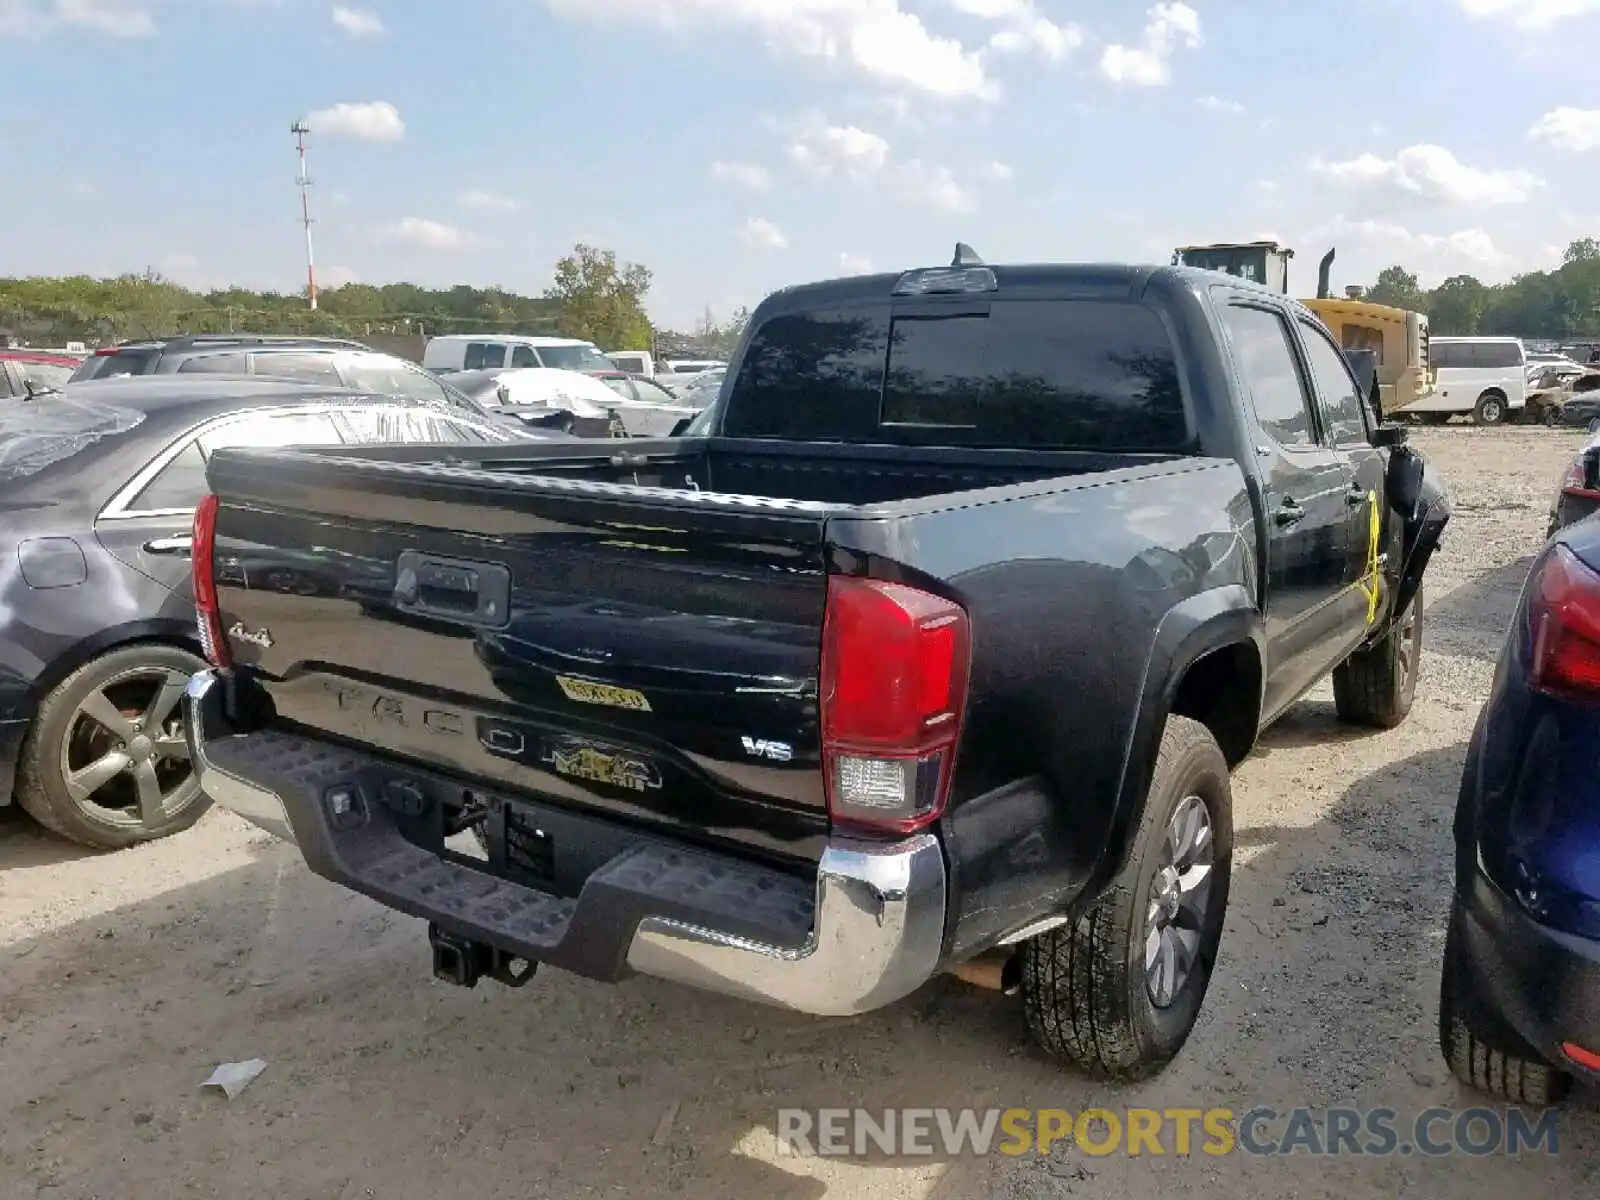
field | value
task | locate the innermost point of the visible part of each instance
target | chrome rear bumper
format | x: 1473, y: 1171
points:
x: 868, y: 931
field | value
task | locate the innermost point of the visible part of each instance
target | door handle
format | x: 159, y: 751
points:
x: 180, y: 544
x: 1289, y: 513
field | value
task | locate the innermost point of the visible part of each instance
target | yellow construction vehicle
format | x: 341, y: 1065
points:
x: 1397, y: 338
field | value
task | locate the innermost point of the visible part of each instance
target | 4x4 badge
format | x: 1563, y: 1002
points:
x: 260, y: 637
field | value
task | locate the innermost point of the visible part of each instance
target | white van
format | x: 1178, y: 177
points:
x: 1484, y: 376
x: 634, y: 362
x: 491, y: 351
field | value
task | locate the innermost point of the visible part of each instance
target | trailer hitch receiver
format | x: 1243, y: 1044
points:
x: 463, y: 962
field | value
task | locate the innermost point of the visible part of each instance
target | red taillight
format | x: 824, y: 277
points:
x: 1576, y: 481
x: 1564, y: 626
x: 893, y: 689
x: 1587, y: 1059
x: 207, y: 609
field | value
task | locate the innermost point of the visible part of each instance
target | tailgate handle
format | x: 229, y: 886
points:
x: 454, y: 589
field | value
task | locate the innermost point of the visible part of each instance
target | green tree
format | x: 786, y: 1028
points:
x: 1456, y: 306
x: 602, y: 300
x: 1398, y: 288
x: 1581, y: 251
x: 719, y: 338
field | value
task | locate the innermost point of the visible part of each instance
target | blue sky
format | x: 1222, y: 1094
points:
x: 735, y: 146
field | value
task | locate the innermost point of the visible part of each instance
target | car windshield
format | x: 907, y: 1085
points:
x: 397, y: 379
x: 38, y: 434
x: 575, y: 358
x: 653, y: 393
x: 44, y: 376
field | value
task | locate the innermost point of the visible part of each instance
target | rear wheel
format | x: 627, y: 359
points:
x: 1490, y: 409
x: 1117, y: 992
x: 1470, y: 1051
x: 1376, y: 686
x: 106, y: 764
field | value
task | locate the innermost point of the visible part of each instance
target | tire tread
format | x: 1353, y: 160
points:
x: 1075, y: 978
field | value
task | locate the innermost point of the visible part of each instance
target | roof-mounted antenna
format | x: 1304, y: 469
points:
x: 966, y: 256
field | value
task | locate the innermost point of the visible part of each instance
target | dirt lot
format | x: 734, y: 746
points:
x: 125, y: 979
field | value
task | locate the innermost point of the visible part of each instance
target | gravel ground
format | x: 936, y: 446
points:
x: 124, y: 979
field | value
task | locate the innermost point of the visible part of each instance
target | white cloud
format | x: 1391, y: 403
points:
x: 745, y: 175
x: 916, y: 182
x: 420, y: 233
x: 1024, y: 29
x: 854, y: 264
x: 109, y: 18
x: 1170, y: 28
x: 487, y: 201
x: 1430, y: 173
x: 839, y: 148
x: 1530, y: 14
x: 377, y: 121
x: 1576, y: 129
x: 998, y: 172
x: 758, y: 233
x: 358, y: 22
x: 1218, y: 105
x: 877, y: 38
x: 1433, y: 257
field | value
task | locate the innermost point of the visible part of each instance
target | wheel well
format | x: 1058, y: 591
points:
x: 92, y: 648
x: 1495, y: 392
x: 1222, y: 690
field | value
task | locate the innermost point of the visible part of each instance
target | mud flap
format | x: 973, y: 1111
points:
x: 1418, y: 497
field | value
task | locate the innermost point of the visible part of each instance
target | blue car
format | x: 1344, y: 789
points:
x: 1519, y: 1003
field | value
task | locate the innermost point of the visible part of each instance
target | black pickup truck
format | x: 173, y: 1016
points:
x: 928, y: 650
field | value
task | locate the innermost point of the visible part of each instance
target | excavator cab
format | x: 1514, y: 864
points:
x: 1266, y: 263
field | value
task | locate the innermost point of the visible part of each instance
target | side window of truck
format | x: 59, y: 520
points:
x: 1340, y: 395
x: 523, y: 356
x: 1266, y: 362
x: 483, y: 355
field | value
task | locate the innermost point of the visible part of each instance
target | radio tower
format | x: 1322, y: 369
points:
x: 300, y: 129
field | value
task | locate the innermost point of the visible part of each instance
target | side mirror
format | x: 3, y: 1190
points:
x: 1390, y: 435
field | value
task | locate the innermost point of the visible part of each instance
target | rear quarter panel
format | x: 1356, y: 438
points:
x: 1087, y: 600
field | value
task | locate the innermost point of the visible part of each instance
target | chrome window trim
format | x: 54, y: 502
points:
x: 117, y: 508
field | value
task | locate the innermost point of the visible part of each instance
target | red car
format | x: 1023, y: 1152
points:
x: 45, y: 370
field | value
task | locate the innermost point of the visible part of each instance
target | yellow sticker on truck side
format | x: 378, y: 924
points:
x: 1372, y: 577
x: 587, y: 692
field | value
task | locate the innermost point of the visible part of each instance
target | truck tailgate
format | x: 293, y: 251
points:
x: 646, y: 652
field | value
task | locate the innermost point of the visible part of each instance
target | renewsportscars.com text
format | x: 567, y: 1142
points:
x: 1261, y: 1132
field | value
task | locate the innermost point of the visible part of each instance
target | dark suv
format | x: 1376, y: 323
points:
x: 166, y: 355
x: 328, y: 362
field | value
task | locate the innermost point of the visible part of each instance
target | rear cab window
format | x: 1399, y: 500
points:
x: 1074, y: 374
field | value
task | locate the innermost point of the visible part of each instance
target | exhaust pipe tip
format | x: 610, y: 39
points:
x: 1324, y: 270
x: 998, y: 970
